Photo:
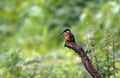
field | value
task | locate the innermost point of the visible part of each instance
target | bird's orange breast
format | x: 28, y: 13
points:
x: 67, y: 36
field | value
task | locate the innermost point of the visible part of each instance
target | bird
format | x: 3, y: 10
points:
x: 68, y: 35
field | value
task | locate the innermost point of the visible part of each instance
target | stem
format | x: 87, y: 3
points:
x: 85, y: 59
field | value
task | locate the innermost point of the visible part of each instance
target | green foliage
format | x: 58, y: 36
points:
x: 31, y: 45
x: 11, y: 63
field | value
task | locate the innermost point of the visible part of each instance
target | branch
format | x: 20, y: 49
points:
x: 85, y: 59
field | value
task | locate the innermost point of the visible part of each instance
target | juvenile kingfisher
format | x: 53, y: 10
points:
x: 68, y: 35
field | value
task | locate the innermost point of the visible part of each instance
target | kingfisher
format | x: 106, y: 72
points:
x: 68, y: 35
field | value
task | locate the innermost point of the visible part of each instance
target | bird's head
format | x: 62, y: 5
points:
x: 66, y: 31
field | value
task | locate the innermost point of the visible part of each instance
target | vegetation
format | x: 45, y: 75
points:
x: 31, y: 45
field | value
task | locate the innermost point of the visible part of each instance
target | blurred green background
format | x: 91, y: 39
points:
x: 31, y: 45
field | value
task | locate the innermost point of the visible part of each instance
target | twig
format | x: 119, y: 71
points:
x: 85, y: 59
